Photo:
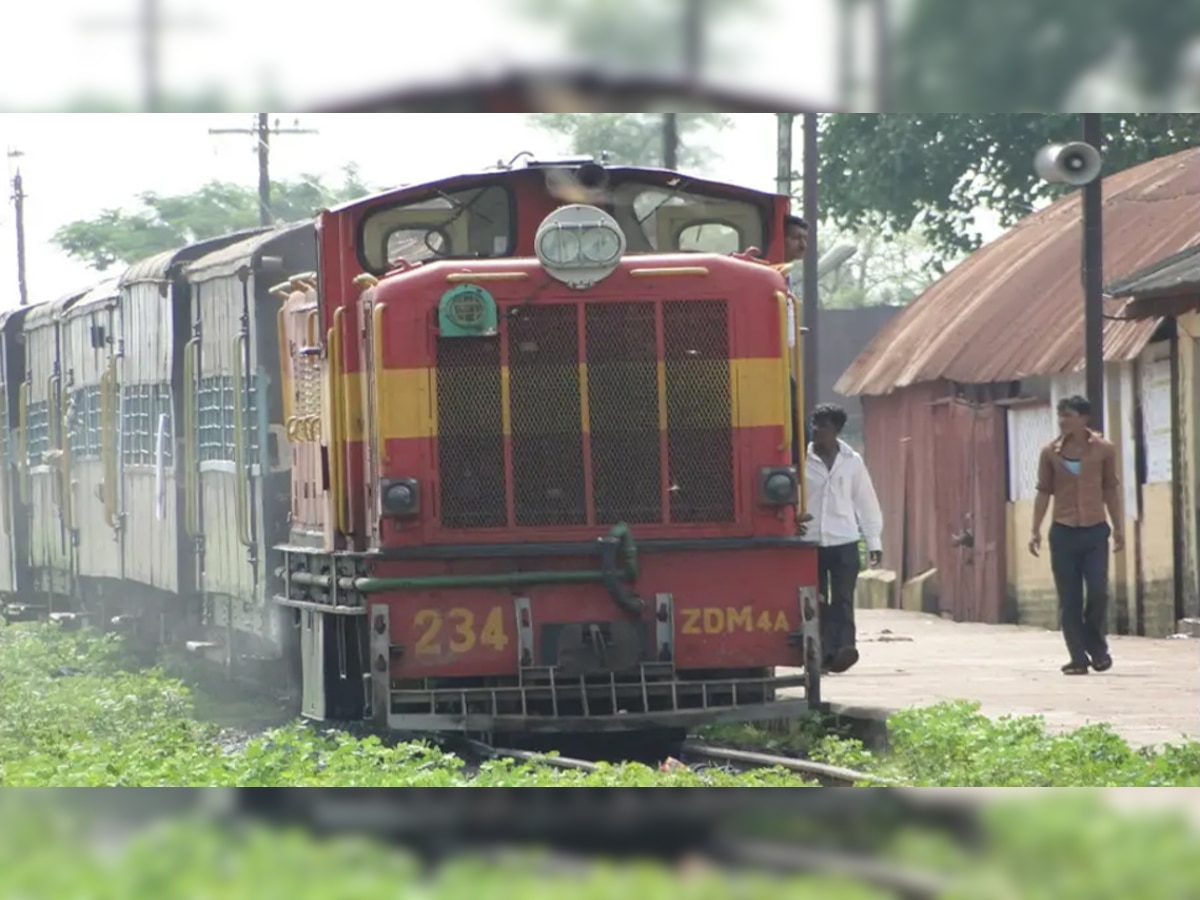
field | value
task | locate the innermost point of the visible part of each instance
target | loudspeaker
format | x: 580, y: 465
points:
x: 1075, y: 163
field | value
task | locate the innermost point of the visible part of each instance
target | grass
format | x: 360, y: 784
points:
x: 72, y: 713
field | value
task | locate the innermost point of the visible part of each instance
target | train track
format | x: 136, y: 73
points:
x: 727, y: 757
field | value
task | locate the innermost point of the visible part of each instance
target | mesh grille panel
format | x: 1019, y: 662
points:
x: 470, y: 434
x: 547, y: 437
x: 699, y: 442
x: 623, y: 407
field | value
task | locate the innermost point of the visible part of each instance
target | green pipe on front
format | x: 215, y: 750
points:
x: 370, y: 585
x: 619, y: 532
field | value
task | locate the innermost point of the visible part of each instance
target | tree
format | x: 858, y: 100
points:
x: 934, y: 172
x: 886, y: 270
x: 634, y: 138
x: 1029, y: 54
x: 218, y: 207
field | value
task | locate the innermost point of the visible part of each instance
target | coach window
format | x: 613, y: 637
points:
x: 470, y: 224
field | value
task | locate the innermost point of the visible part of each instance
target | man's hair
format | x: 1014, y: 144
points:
x: 1075, y: 403
x: 794, y: 220
x: 829, y: 413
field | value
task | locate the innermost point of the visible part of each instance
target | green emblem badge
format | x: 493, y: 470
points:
x: 467, y: 311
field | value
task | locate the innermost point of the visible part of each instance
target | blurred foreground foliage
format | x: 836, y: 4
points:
x: 1065, y: 847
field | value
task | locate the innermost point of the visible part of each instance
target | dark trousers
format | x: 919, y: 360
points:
x: 1079, y: 559
x: 837, y: 574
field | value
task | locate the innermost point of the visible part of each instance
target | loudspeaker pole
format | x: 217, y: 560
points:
x: 1093, y: 279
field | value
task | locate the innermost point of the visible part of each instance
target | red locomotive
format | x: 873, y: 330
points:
x: 553, y: 489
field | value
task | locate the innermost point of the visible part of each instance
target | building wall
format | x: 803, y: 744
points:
x: 1187, y: 443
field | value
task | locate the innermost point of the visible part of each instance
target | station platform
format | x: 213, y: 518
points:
x: 1150, y: 696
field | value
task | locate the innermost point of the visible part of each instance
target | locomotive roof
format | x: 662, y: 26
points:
x: 158, y: 267
x: 468, y: 180
x: 227, y: 260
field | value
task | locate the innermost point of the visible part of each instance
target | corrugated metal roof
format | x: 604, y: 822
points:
x: 155, y: 268
x: 1176, y: 274
x: 227, y: 260
x: 1014, y: 309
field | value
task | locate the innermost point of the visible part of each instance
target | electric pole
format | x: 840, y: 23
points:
x: 783, y: 166
x: 150, y: 25
x: 670, y: 141
x: 18, y: 198
x: 810, y: 301
x: 1093, y: 278
x: 261, y: 132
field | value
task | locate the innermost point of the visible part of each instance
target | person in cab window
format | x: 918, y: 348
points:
x: 841, y: 506
x: 1078, y: 469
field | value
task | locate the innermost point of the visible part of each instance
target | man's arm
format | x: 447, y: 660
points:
x: 1045, y: 490
x: 866, y: 508
x: 1113, y: 502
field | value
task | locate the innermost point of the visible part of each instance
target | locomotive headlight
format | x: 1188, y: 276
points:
x: 559, y: 247
x: 400, y: 497
x: 778, y: 486
x: 579, y: 245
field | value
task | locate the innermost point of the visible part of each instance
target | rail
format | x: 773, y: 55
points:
x: 23, y: 486
x: 239, y: 443
x: 835, y: 775
x: 109, y: 425
x: 337, y: 437
x: 789, y: 416
x: 191, y: 489
x: 377, y: 369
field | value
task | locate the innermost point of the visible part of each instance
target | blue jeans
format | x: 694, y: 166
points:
x: 1079, y: 559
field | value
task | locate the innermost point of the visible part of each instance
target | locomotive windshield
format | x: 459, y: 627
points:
x: 656, y: 216
x: 659, y: 218
x: 472, y: 224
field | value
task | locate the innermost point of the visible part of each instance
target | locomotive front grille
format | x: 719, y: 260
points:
x: 567, y: 417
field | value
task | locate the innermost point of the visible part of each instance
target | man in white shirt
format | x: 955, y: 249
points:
x: 841, y: 506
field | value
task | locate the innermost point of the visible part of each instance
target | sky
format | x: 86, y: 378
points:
x: 337, y: 50
x: 74, y: 165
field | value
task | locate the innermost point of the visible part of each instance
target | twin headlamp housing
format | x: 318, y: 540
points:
x: 579, y: 245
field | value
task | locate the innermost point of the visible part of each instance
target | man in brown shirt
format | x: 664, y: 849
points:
x: 1079, y: 470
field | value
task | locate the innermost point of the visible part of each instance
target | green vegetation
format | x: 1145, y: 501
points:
x: 931, y: 173
x: 954, y: 745
x: 74, y: 711
x: 73, y: 714
x: 216, y: 208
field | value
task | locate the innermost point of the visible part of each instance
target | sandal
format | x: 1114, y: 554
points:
x: 1075, y: 669
x: 1102, y: 663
